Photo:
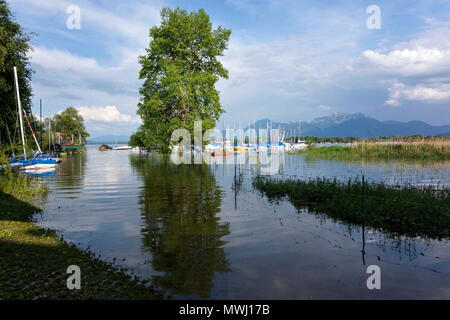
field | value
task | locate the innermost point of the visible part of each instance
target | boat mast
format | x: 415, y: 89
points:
x: 40, y: 120
x: 19, y: 105
x: 49, y: 134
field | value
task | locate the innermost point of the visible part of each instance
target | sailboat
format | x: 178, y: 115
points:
x: 35, y: 163
x: 300, y: 144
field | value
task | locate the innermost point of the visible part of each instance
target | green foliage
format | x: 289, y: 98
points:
x: 137, y: 138
x: 70, y: 122
x: 23, y: 188
x: 180, y: 71
x: 14, y: 51
x: 401, y: 210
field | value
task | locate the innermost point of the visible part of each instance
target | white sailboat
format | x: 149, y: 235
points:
x: 35, y: 163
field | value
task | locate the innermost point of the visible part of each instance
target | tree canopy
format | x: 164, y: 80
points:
x: 180, y: 69
x: 14, y: 49
x: 70, y: 122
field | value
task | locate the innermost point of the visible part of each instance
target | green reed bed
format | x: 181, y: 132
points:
x: 33, y: 260
x: 403, y: 210
x: 439, y: 150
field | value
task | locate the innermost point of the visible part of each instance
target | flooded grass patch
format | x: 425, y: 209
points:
x: 33, y: 260
x: 434, y: 150
x: 403, y: 210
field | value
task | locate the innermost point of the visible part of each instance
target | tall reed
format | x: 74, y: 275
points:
x: 427, y: 150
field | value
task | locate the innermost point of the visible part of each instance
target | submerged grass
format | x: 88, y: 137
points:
x: 33, y: 260
x: 427, y: 150
x: 402, y: 210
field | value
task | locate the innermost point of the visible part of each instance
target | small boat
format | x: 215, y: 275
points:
x: 221, y: 154
x: 44, y: 156
x: 35, y: 163
x: 42, y: 172
x: 300, y: 145
x: 104, y: 147
x: 122, y: 147
x: 240, y: 149
x: 38, y: 162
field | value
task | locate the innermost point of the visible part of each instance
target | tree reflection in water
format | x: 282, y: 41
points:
x: 72, y: 171
x: 179, y: 205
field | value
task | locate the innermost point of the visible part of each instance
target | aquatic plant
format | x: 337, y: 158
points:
x: 404, y: 210
x: 23, y: 188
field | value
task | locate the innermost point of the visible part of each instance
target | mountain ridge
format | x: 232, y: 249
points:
x: 354, y: 125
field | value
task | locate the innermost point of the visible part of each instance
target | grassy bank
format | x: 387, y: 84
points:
x: 33, y: 261
x: 437, y: 150
x: 405, y: 210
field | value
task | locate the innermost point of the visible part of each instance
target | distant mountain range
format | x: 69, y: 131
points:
x: 335, y: 125
x: 109, y: 139
x: 354, y: 125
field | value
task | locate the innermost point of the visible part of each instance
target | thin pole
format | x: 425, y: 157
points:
x: 19, y: 106
x: 363, y: 195
x: 363, y: 251
x: 49, y: 134
x: 40, y: 120
x: 235, y: 194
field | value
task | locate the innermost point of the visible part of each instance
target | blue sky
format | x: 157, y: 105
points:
x: 288, y: 60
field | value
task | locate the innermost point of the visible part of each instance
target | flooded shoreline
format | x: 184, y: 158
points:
x: 203, y: 231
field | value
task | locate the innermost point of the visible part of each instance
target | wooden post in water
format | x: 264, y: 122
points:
x: 363, y: 251
x: 363, y: 195
x: 235, y: 196
x: 49, y: 135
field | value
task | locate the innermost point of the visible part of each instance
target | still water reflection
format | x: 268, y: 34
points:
x: 183, y: 233
x: 202, y: 231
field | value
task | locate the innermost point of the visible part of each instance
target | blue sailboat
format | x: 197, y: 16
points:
x: 39, y: 161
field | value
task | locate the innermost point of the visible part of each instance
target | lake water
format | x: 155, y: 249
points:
x: 203, y: 231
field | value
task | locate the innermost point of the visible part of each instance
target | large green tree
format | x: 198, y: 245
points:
x: 14, y: 51
x: 180, y: 69
x: 70, y: 122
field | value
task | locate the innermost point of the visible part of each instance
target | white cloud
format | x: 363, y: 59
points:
x: 408, y: 62
x: 111, y: 21
x: 62, y: 60
x: 428, y: 54
x: 417, y: 70
x: 400, y: 91
x: 65, y: 75
x: 75, y: 80
x: 106, y: 114
x: 324, y: 107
